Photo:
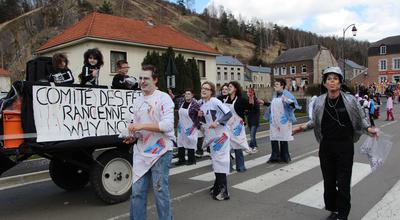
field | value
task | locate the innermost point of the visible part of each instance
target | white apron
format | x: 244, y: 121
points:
x: 237, y: 129
x: 219, y: 141
x: 187, y: 131
x: 150, y: 146
x: 281, y: 127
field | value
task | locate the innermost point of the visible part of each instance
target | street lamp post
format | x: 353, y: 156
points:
x: 354, y: 30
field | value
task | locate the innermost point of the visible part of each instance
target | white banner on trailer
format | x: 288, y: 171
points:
x: 68, y: 113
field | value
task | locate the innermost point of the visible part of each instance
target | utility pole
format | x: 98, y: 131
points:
x: 2, y: 59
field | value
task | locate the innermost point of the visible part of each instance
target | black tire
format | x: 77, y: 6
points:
x: 68, y: 176
x: 111, y: 176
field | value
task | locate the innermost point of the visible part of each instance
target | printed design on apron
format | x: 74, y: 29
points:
x: 236, y: 128
x: 151, y: 145
x: 218, y: 143
x: 281, y: 128
x: 187, y: 131
x: 156, y: 148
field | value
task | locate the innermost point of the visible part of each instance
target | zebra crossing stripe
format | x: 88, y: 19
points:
x: 313, y: 196
x: 249, y: 164
x: 182, y: 169
x: 268, y: 180
x: 388, y: 207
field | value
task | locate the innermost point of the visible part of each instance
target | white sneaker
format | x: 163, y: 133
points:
x: 255, y: 150
x: 248, y: 150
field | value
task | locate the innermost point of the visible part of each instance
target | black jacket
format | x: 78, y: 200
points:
x: 62, y: 77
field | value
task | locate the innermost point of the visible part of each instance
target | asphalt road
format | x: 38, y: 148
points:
x: 262, y: 192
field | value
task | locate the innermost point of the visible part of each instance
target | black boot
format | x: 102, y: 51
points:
x: 181, y: 157
x: 191, y: 157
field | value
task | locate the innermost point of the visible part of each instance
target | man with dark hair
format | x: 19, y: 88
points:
x: 281, y: 117
x: 122, y: 80
x: 338, y: 123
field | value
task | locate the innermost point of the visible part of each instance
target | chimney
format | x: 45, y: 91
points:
x: 151, y: 22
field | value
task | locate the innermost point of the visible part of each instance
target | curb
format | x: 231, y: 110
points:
x: 24, y: 179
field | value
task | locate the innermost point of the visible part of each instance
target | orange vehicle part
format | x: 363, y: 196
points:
x: 13, y: 133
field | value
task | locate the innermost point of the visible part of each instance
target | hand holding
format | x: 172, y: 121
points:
x: 373, y: 132
x: 129, y: 140
x: 200, y: 113
x: 214, y: 124
x: 94, y: 72
x: 132, y: 128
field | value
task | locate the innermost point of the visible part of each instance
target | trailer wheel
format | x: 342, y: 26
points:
x: 68, y: 176
x: 111, y: 177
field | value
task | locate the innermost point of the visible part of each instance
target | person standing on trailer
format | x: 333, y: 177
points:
x: 61, y: 74
x: 152, y: 126
x: 93, y: 60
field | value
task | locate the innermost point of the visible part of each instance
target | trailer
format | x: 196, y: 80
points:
x: 67, y: 124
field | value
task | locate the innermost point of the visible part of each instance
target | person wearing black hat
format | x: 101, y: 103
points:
x: 338, y: 121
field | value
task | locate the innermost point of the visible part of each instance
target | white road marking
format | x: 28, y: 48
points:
x: 388, y: 207
x: 313, y: 196
x: 249, y: 164
x: 273, y: 178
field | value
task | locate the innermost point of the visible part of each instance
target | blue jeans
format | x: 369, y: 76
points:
x: 239, y: 159
x: 253, y: 141
x: 158, y: 175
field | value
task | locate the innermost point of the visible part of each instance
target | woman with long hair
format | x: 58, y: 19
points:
x: 214, y: 116
x: 92, y: 62
x: 223, y: 92
x: 253, y: 118
x: 237, y: 104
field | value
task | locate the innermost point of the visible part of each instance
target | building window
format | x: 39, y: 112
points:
x: 383, y: 49
x: 304, y: 82
x: 382, y: 78
x: 238, y: 76
x: 261, y: 78
x: 115, y: 56
x: 276, y: 71
x: 255, y: 78
x: 225, y: 68
x: 201, y: 64
x: 396, y: 63
x: 232, y: 68
x: 382, y: 65
x: 396, y: 79
x: 218, y: 68
x: 238, y: 68
x: 293, y: 70
x: 225, y: 76
x: 232, y: 76
x: 218, y: 76
x: 283, y: 70
x: 303, y: 68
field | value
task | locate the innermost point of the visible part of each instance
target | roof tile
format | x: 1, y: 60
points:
x: 4, y: 72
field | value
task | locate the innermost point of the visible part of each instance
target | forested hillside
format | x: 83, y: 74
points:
x: 27, y: 24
